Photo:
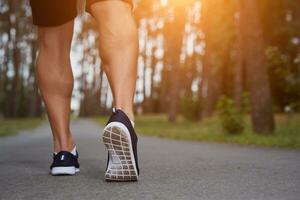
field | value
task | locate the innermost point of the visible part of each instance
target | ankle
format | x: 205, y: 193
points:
x: 128, y: 112
x: 130, y: 116
x: 65, y: 144
x: 70, y: 144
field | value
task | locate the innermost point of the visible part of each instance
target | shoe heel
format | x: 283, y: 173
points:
x: 55, y: 171
x: 121, y: 166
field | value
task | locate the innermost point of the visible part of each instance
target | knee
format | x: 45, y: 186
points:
x: 118, y: 43
x: 118, y: 39
x: 55, y: 44
x: 53, y: 49
x: 125, y: 26
x: 124, y: 34
x: 129, y: 35
x: 115, y: 21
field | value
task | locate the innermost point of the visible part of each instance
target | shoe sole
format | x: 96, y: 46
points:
x: 121, y: 166
x: 56, y: 171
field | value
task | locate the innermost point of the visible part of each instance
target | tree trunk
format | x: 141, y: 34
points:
x: 297, y: 19
x: 153, y: 91
x: 35, y: 104
x: 238, y: 68
x: 256, y: 69
x: 214, y: 89
x: 144, y: 54
x: 212, y: 62
x: 14, y: 101
x: 174, y: 38
x: 238, y: 80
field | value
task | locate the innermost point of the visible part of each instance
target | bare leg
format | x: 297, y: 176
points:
x: 55, y: 80
x: 118, y: 50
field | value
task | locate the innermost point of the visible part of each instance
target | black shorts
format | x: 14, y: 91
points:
x: 57, y: 12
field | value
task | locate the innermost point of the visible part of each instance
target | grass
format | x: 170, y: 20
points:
x: 10, y: 127
x: 287, y: 132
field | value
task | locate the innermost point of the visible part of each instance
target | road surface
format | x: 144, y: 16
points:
x: 170, y: 169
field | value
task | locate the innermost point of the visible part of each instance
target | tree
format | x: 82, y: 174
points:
x: 19, y: 96
x: 238, y: 65
x: 174, y: 30
x: 256, y: 67
x: 217, y: 23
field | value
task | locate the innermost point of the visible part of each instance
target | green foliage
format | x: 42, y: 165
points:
x: 245, y: 106
x: 281, y: 34
x: 287, y: 132
x: 189, y: 108
x: 10, y: 127
x: 231, y: 119
x: 285, y: 80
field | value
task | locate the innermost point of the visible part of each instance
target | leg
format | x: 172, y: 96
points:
x: 55, y: 80
x: 118, y: 50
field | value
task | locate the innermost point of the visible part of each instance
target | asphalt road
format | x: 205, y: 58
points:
x: 169, y: 170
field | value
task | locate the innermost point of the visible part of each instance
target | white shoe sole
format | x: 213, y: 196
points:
x: 121, y: 165
x: 64, y: 171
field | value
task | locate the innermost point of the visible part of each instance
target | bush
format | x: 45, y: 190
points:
x: 231, y: 119
x: 189, y: 108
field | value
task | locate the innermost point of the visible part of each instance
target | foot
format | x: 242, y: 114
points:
x: 120, y: 140
x: 65, y: 163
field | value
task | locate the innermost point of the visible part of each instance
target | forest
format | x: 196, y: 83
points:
x: 197, y: 59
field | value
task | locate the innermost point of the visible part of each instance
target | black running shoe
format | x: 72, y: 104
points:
x: 64, y: 163
x: 120, y: 140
